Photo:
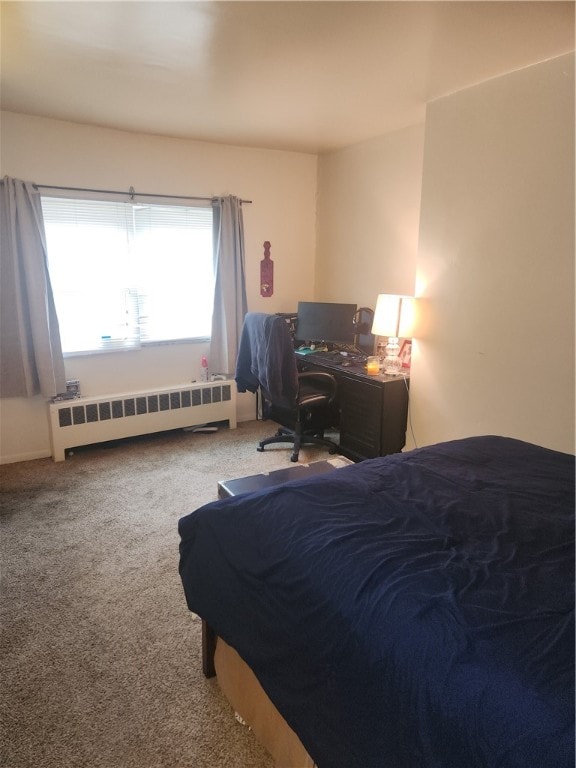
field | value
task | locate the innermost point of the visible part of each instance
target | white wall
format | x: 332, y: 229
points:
x: 495, y: 266
x: 282, y: 186
x: 368, y: 213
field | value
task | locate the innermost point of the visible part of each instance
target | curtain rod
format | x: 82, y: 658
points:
x: 131, y: 192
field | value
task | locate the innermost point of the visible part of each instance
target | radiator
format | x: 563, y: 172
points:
x: 95, y: 420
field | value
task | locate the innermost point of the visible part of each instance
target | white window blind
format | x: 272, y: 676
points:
x: 124, y: 273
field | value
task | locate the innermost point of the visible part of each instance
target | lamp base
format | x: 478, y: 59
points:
x: 392, y: 363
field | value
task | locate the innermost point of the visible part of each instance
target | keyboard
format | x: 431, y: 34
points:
x: 336, y: 358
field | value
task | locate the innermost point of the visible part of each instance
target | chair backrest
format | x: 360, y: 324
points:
x: 266, y: 359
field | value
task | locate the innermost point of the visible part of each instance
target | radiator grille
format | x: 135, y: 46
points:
x: 96, y: 420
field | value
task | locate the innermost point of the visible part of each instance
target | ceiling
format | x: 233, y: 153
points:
x: 306, y: 76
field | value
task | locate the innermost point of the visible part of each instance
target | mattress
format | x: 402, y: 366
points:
x: 410, y: 611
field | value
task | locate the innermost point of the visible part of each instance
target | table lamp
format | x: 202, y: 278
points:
x: 393, y: 317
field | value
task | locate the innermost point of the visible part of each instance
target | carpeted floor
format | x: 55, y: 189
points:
x: 100, y: 656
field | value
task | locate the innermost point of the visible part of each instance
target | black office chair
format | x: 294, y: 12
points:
x: 300, y: 402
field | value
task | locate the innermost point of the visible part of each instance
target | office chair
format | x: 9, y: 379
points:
x: 298, y: 401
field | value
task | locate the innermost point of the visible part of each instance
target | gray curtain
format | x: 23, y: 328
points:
x: 230, y: 304
x: 31, y: 361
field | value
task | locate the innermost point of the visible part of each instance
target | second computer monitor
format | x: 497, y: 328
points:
x: 325, y: 321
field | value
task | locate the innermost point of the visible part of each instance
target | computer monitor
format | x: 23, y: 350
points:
x: 325, y: 321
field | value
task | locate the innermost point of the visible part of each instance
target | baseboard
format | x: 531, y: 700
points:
x: 12, y: 459
x: 29, y: 456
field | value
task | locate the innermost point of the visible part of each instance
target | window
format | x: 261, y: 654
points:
x: 124, y: 274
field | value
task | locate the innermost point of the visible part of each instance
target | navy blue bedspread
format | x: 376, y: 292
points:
x: 411, y: 611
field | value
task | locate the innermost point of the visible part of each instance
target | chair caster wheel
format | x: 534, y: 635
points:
x: 260, y: 449
x: 293, y: 458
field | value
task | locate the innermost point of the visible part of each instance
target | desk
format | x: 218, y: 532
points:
x: 371, y: 411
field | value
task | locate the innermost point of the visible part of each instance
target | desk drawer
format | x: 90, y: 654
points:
x: 360, y: 417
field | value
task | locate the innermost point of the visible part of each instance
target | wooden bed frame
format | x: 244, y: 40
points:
x: 250, y: 703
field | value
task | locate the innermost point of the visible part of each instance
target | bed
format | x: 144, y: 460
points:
x: 409, y: 611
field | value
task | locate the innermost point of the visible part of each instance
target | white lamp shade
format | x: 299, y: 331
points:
x: 394, y: 316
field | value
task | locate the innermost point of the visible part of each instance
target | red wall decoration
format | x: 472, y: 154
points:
x: 266, y: 273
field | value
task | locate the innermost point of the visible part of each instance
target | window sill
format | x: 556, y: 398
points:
x: 143, y: 345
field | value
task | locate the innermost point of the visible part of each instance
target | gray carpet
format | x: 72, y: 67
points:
x: 100, y: 656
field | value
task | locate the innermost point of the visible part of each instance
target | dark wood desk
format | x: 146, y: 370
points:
x: 371, y: 411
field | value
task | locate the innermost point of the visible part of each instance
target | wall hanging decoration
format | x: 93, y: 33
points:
x: 266, y: 273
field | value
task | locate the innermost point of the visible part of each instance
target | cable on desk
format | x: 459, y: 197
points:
x: 409, y: 411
